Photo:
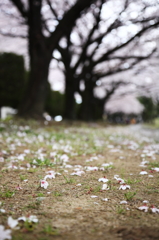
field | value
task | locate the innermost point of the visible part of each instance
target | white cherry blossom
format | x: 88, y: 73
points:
x: 124, y: 187
x: 144, y: 208
x: 5, y: 234
x: 44, y: 184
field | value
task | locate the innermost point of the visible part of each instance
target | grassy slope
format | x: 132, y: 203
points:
x: 68, y: 211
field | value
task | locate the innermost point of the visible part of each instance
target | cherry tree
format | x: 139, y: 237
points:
x: 110, y: 38
x: 46, y: 22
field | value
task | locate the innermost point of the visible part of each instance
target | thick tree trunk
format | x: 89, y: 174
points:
x: 32, y: 105
x: 86, y: 112
x: 69, y: 107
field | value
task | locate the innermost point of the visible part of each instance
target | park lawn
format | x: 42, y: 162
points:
x: 77, y: 204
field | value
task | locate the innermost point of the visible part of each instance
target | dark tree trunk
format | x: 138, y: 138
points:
x: 32, y: 105
x: 69, y: 107
x: 87, y: 109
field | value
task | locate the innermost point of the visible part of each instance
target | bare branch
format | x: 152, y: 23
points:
x: 20, y: 6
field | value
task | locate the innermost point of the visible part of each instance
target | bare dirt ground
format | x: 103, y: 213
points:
x: 90, y: 170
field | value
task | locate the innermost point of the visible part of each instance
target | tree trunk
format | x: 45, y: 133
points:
x: 69, y: 107
x: 32, y: 105
x: 86, y: 112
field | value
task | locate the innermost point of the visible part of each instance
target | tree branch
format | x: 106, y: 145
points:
x: 20, y: 6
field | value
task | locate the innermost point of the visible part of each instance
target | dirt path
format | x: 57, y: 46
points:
x: 79, y: 181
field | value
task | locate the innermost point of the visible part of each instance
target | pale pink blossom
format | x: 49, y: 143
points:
x: 5, y: 234
x: 156, y: 169
x: 105, y: 199
x: 124, y: 187
x: 18, y: 187
x: 154, y: 209
x: 44, y: 184
x: 89, y: 168
x: 143, y: 172
x: 144, y: 208
x: 31, y: 218
x: 2, y: 210
x: 94, y: 196
x: 78, y: 173
x: 123, y: 202
x: 12, y: 223
x: 104, y: 179
x: 105, y: 187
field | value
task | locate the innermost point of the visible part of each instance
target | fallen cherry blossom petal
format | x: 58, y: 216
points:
x: 5, y: 234
x: 44, y: 184
x: 94, y: 196
x: 104, y: 179
x: 12, y: 223
x: 2, y: 210
x: 124, y: 187
x: 105, y: 187
x: 154, y: 209
x: 18, y: 188
x: 143, y: 173
x: 105, y: 199
x: 156, y: 169
x: 144, y: 208
x: 123, y: 202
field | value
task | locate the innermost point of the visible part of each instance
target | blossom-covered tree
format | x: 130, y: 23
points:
x: 47, y: 21
x: 111, y: 38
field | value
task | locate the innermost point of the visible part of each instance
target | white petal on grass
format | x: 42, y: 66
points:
x: 44, y: 184
x: 89, y: 168
x: 103, y: 179
x: 155, y: 169
x: 78, y: 173
x: 79, y: 184
x: 150, y: 176
x: 94, y: 196
x: 31, y: 218
x: 145, y: 201
x: 154, y: 209
x: 144, y: 208
x: 105, y: 187
x: 143, y: 173
x: 5, y: 234
x: 12, y: 223
x: 123, y: 202
x: 124, y: 187
x: 105, y: 199
x: 2, y: 210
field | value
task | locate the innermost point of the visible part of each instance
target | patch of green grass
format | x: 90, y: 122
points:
x: 33, y: 205
x: 57, y: 194
x: 97, y: 189
x: 7, y: 194
x: 23, y: 177
x: 29, y: 226
x: 132, y: 181
x: 40, y: 195
x: 48, y: 229
x: 69, y: 180
x: 153, y: 164
x: 46, y: 162
x: 129, y: 195
x: 120, y: 210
